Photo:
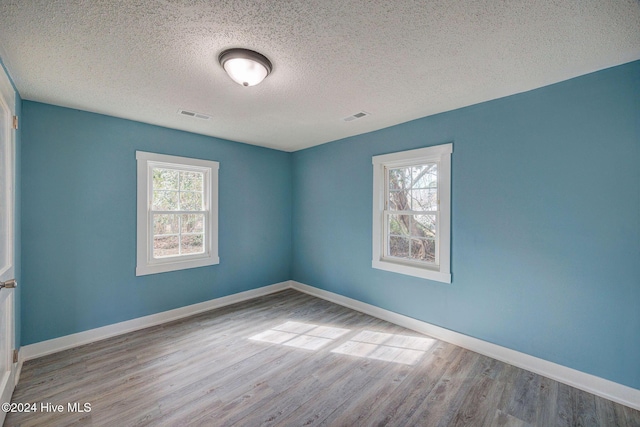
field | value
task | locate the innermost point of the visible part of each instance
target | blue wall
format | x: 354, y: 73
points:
x: 545, y: 222
x: 79, y: 221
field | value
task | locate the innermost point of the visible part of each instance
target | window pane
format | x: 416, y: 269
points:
x: 191, y: 181
x: 165, y: 200
x: 165, y: 224
x: 399, y: 179
x: 423, y: 226
x: 399, y: 246
x: 399, y: 224
x: 424, y: 200
x: 425, y: 176
x: 165, y: 246
x: 165, y: 179
x: 192, y: 244
x: 191, y: 201
x: 423, y: 250
x: 192, y: 223
x: 399, y: 201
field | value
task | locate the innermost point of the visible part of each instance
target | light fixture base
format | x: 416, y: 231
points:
x: 246, y: 67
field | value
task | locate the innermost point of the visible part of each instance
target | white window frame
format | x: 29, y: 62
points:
x: 146, y: 263
x: 441, y: 270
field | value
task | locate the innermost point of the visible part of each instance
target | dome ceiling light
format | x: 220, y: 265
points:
x: 244, y: 66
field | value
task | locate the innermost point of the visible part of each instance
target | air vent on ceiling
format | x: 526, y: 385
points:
x: 194, y: 114
x: 356, y: 116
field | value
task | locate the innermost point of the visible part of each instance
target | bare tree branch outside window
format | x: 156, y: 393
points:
x: 413, y: 211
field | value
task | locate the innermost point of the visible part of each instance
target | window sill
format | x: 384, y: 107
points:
x: 164, y: 267
x: 409, y: 270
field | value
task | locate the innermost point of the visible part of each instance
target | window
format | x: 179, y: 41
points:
x: 177, y: 213
x: 411, y: 212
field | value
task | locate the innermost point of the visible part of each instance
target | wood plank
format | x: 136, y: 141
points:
x: 631, y: 416
x: 355, y: 409
x: 547, y: 402
x: 502, y: 419
x: 524, y: 396
x: 585, y: 408
x: 442, y: 404
x: 564, y: 406
x: 415, y: 389
x: 479, y: 402
x: 609, y: 415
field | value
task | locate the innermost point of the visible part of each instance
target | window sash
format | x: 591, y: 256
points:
x: 386, y: 254
x: 206, y: 202
x: 152, y: 236
x: 387, y: 238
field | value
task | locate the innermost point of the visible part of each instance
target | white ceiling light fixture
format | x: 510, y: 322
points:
x: 246, y: 67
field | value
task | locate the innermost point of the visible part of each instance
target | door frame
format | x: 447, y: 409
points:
x: 7, y: 296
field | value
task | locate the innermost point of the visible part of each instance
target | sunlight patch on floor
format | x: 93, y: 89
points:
x: 395, y: 348
x: 404, y: 349
x: 301, y: 335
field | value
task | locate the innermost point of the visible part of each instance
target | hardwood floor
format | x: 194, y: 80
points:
x: 289, y: 359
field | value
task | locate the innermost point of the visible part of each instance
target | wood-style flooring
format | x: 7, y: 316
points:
x: 289, y: 359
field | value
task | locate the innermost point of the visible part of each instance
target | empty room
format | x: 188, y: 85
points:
x: 288, y: 213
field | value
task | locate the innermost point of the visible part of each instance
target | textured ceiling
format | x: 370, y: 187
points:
x: 398, y: 60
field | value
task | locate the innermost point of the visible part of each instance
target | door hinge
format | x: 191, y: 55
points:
x: 15, y: 356
x: 15, y: 122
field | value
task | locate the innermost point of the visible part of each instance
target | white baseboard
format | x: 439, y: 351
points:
x: 55, y: 345
x: 590, y: 383
x: 18, y: 368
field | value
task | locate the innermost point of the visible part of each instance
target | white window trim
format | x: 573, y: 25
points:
x: 442, y: 155
x: 146, y: 264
